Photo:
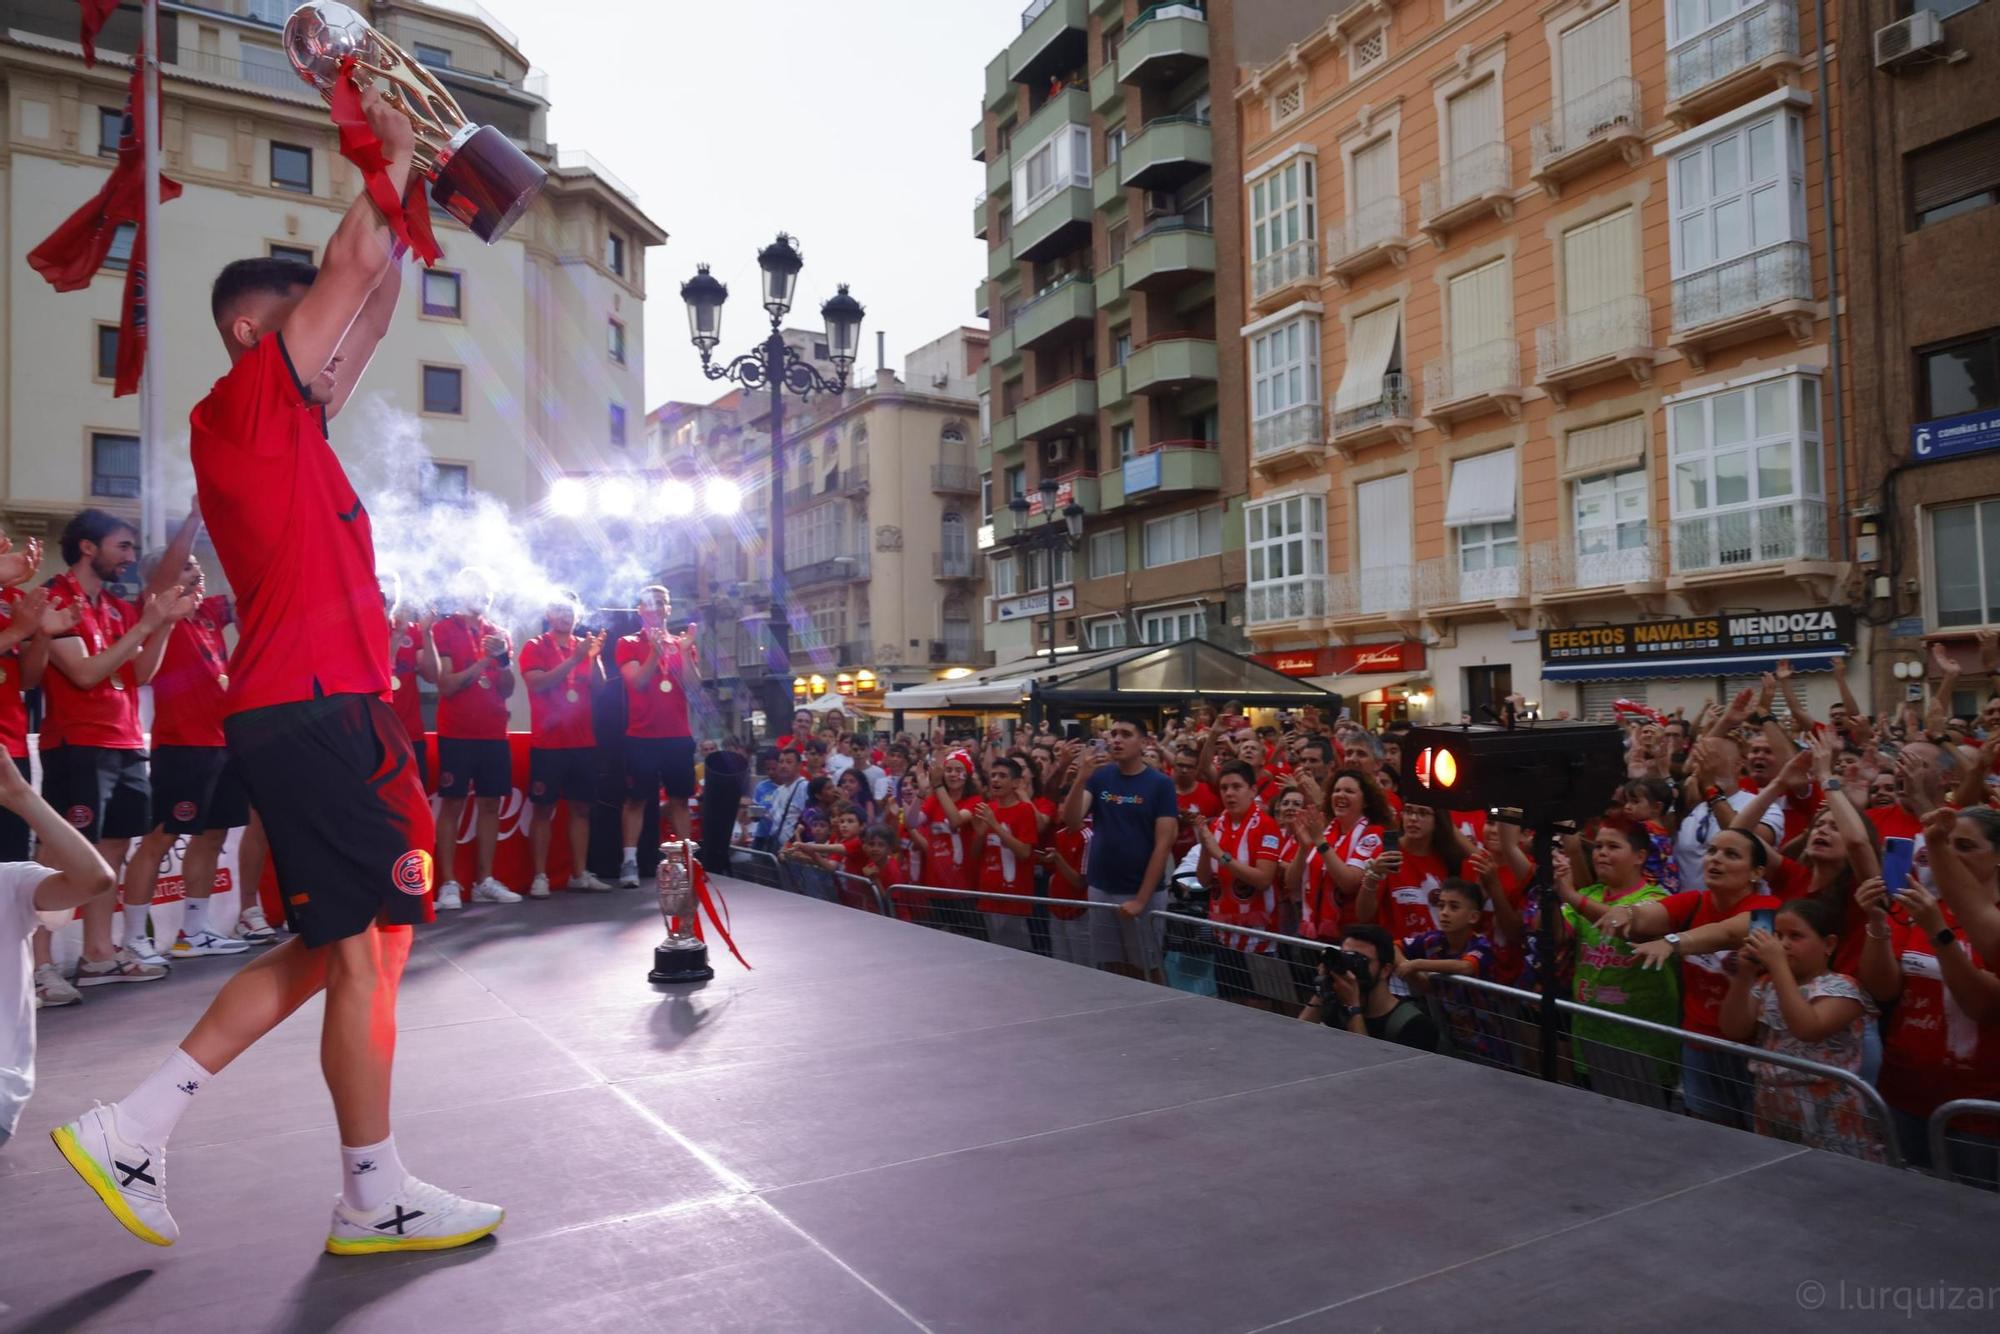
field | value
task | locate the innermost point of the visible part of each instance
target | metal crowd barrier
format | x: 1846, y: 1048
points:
x: 1073, y: 930
x: 1970, y: 1159
x: 756, y: 866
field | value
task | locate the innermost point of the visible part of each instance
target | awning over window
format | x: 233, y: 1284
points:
x: 1607, y: 448
x: 1369, y: 348
x: 1482, y: 490
x: 1667, y: 668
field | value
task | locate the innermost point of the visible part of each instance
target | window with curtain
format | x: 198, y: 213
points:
x: 1284, y: 367
x: 1472, y: 136
x: 1374, y: 347
x: 1186, y: 536
x: 1956, y: 176
x: 1738, y: 193
x: 1479, y: 313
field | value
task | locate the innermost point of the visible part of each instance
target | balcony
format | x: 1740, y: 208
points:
x: 1586, y: 131
x: 854, y: 479
x: 1006, y: 435
x: 1606, y: 342
x: 1445, y: 588
x: 833, y: 570
x: 1000, y: 345
x: 999, y: 177
x: 999, y: 88
x: 978, y: 141
x: 1052, y: 41
x: 1473, y: 383
x: 1384, y: 595
x: 1164, y: 45
x: 1295, y: 435
x: 1111, y: 389
x: 268, y: 78
x: 1068, y: 107
x: 1111, y: 286
x: 1171, y: 363
x: 1466, y: 189
x: 1170, y: 254
x: 1105, y: 191
x: 949, y: 565
x: 1764, y: 292
x: 979, y: 215
x: 1374, y: 234
x: 1058, y: 409
x: 1388, y: 416
x: 1168, y: 470
x: 1625, y: 564
x: 1278, y: 276
x: 1070, y: 306
x: 1000, y: 260
x: 1169, y: 152
x: 1106, y: 93
x: 954, y: 479
x: 1780, y: 533
x: 1731, y: 63
x: 1056, y: 226
x: 982, y: 304
x: 1299, y: 602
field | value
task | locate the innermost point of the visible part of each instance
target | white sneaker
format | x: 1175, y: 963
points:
x: 490, y: 890
x: 120, y: 967
x: 448, y: 899
x: 252, y: 927
x: 203, y: 943
x: 419, y: 1217
x: 145, y: 951
x: 131, y: 1179
x: 52, y: 989
x: 585, y: 882
x: 628, y: 875
x: 538, y: 888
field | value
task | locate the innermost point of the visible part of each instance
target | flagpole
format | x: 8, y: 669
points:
x: 153, y: 501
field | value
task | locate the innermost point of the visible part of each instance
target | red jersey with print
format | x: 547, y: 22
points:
x: 1000, y: 871
x: 1319, y: 896
x: 948, y: 860
x: 560, y: 712
x: 1071, y: 845
x: 404, y: 696
x: 13, y: 710
x: 1932, y: 1051
x: 1405, y: 907
x: 107, y: 714
x: 1703, y: 983
x: 1252, y: 841
x: 659, y: 707
x: 1202, y: 799
x: 293, y: 538
x: 478, y: 712
x: 188, y: 689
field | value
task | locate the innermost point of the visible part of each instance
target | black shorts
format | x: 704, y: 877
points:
x: 468, y: 767
x: 335, y: 782
x: 566, y: 774
x: 196, y: 789
x: 13, y: 829
x: 103, y: 792
x: 654, y: 762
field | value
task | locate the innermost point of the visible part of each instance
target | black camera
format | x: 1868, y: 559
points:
x: 1353, y: 963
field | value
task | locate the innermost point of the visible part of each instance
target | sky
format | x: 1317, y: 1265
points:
x: 844, y: 122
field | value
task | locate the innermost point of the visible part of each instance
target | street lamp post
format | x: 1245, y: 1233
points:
x: 775, y: 365
x: 1049, y: 538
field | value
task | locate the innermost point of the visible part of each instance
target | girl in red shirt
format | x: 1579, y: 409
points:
x: 1239, y: 862
x: 944, y: 819
x: 1069, y: 927
x: 1397, y: 887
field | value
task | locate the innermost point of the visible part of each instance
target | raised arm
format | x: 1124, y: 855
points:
x: 87, y: 671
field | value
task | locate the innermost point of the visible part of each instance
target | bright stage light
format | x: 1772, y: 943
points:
x: 615, y: 499
x: 568, y: 497
x: 676, y: 498
x: 723, y: 497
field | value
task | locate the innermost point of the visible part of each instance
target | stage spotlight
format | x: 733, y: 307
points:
x: 568, y: 497
x: 676, y: 498
x: 615, y: 499
x: 723, y: 497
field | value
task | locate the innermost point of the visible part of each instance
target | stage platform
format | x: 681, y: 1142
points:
x: 886, y: 1128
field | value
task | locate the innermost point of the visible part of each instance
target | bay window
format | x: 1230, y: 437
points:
x: 1284, y: 385
x: 1745, y: 468
x: 1283, y: 226
x: 1739, y: 210
x: 1285, y: 550
x: 1060, y: 161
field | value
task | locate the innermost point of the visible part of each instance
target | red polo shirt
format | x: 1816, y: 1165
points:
x: 560, y: 714
x: 404, y: 696
x: 188, y: 689
x: 478, y: 712
x: 659, y: 708
x: 108, y: 713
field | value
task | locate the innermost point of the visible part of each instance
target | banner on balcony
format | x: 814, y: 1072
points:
x: 1702, y: 645
x: 1952, y: 436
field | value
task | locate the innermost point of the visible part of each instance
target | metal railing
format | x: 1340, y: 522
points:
x: 854, y: 476
x: 1598, y: 558
x: 1169, y: 10
x: 1302, y: 597
x: 1035, y: 9
x: 579, y: 159
x: 272, y: 78
x: 1780, y: 272
x: 1442, y: 581
x: 1373, y: 224
x: 1392, y: 404
x: 1301, y: 424
x: 951, y: 565
x: 1371, y: 592
x: 1972, y: 1160
x: 1484, y: 171
x: 956, y: 479
x: 1623, y: 324
x: 1281, y: 268
x: 1046, y: 924
x: 1490, y: 368
x: 1755, y: 535
x: 1610, y: 108
x: 1754, y: 34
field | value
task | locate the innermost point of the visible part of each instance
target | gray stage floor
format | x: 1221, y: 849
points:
x: 884, y: 1128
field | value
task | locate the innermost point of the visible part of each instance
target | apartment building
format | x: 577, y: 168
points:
x: 1539, y: 350
x: 1922, y: 157
x: 1104, y: 390
x: 515, y: 360
x: 880, y: 496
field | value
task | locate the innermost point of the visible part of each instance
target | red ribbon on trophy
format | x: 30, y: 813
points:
x: 408, y: 215
x: 706, y: 900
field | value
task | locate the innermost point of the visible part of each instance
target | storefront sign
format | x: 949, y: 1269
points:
x: 1032, y: 604
x: 1773, y: 634
x: 1951, y: 436
x: 1347, y: 659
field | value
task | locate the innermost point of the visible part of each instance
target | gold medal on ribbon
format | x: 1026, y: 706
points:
x: 395, y: 683
x: 666, y: 687
x: 3, y: 676
x: 117, y: 684
x: 572, y: 697
x: 485, y: 683
x: 222, y: 679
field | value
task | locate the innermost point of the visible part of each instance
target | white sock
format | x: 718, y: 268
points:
x: 138, y: 928
x: 632, y: 853
x: 370, y: 1175
x: 195, y: 920
x: 148, y: 1114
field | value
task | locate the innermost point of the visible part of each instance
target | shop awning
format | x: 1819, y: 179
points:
x: 1143, y: 676
x: 1353, y: 686
x: 1821, y: 661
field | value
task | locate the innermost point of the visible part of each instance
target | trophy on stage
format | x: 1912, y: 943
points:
x: 477, y: 174
x: 681, y: 957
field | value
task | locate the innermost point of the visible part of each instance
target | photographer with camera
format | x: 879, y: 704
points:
x: 1351, y: 991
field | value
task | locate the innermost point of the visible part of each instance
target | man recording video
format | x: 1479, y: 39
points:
x: 1352, y: 992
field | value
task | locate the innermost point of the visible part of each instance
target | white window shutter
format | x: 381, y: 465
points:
x: 1385, y: 538
x: 1600, y: 262
x: 1479, y: 312
x: 1472, y: 118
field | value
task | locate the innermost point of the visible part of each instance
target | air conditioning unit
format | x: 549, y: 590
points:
x: 1906, y: 39
x: 1159, y: 203
x: 1061, y: 451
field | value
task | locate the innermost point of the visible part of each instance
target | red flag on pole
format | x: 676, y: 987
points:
x: 132, y: 324
x: 75, y: 251
x: 95, y: 14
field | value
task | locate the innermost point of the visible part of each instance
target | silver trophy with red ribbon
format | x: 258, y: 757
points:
x: 682, y: 956
x: 477, y: 174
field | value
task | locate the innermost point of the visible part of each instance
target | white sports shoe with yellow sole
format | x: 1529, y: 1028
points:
x: 131, y: 1179
x: 419, y: 1217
